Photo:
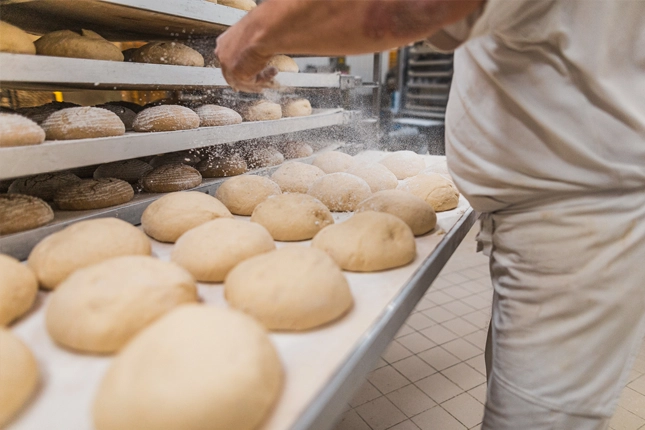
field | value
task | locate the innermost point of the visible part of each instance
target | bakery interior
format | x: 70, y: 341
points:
x: 178, y: 255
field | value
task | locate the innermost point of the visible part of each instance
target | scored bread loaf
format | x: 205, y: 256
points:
x: 260, y: 110
x: 173, y: 53
x: 182, y: 157
x: 43, y: 186
x: 296, y: 107
x: 93, y: 194
x: 19, y: 212
x: 166, y: 118
x: 88, y: 44
x: 171, y: 177
x: 219, y: 166
x: 295, y: 149
x: 125, y: 114
x: 40, y: 113
x: 264, y: 157
x: 126, y: 170
x: 16, y: 130
x: 15, y: 40
x: 213, y: 115
x: 82, y: 123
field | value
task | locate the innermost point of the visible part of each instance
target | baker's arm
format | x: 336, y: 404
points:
x: 327, y: 27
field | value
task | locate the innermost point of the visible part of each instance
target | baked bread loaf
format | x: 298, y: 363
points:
x: 127, y: 170
x: 264, y: 157
x: 377, y: 176
x: 415, y: 212
x: 404, y: 164
x: 295, y: 149
x: 173, y: 53
x: 18, y: 289
x: 219, y: 166
x: 93, y: 194
x: 82, y: 123
x: 19, y: 375
x: 340, y: 192
x: 260, y: 110
x: 296, y: 177
x: 38, y: 114
x: 125, y: 115
x: 16, y: 130
x: 19, y: 212
x: 43, y: 186
x: 284, y: 63
x: 182, y: 157
x: 334, y: 161
x: 15, y: 40
x: 165, y: 118
x: 238, y: 4
x: 213, y: 116
x: 242, y: 194
x: 437, y: 191
x: 295, y: 107
x: 88, y: 44
x: 171, y: 177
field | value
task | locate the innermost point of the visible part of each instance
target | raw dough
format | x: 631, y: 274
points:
x: 18, y: 375
x: 93, y: 194
x: 182, y: 157
x: 260, y: 110
x: 295, y: 149
x: 416, y: 213
x: 293, y: 288
x: 296, y: 107
x: 334, y: 161
x: 213, y: 116
x: 173, y: 53
x: 239, y: 4
x: 340, y: 192
x: 165, y: 118
x: 171, y: 216
x: 284, y: 63
x: 125, y: 115
x: 171, y: 177
x: 82, y: 123
x: 19, y: 212
x: 99, y: 308
x: 368, y: 242
x: 436, y: 190
x: 296, y: 177
x: 83, y: 244
x: 242, y: 194
x: 404, y: 163
x: 43, y: 186
x: 292, y: 217
x: 211, y: 250
x: 18, y: 289
x: 264, y: 157
x: 16, y: 130
x: 377, y: 176
x: 198, y: 367
x: 218, y: 166
x: 66, y: 43
x: 126, y: 170
x: 15, y: 40
x: 38, y: 114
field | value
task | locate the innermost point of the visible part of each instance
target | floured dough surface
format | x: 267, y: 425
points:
x: 295, y: 149
x: 16, y: 130
x: 43, y: 186
x: 284, y: 63
x: 296, y: 177
x: 127, y: 170
x: 19, y: 212
x: 38, y: 114
x: 15, y: 40
x: 171, y: 177
x: 264, y: 157
x: 404, y: 164
x: 296, y: 107
x: 18, y: 289
x: 82, y: 123
x: 340, y: 192
x: 125, y: 114
x: 133, y: 291
x: 242, y: 194
x: 377, y: 176
x: 260, y: 110
x: 88, y: 44
x: 174, y: 53
x: 165, y: 118
x: 415, y: 212
x: 219, y: 166
x: 213, y: 116
x: 437, y: 191
x: 334, y: 161
x: 89, y: 194
x: 18, y: 375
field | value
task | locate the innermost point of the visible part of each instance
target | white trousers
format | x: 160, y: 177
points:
x: 568, y: 310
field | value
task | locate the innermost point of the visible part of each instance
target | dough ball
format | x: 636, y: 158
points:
x: 173, y: 215
x: 15, y: 40
x: 173, y: 53
x: 334, y: 161
x: 43, y: 186
x: 377, y: 176
x: 83, y: 244
x: 18, y: 375
x: 93, y: 194
x: 296, y: 107
x: 261, y: 110
x: 38, y: 114
x: 182, y: 157
x: 242, y: 194
x: 125, y: 115
x: 211, y: 250
x: 18, y: 289
x: 296, y: 177
x: 126, y: 170
x: 368, y: 242
x: 284, y: 63
x: 416, y: 213
x: 16, y: 130
x: 238, y: 4
x: 82, y: 123
x: 99, y: 308
x: 171, y: 177
x: 217, y: 368
x: 404, y: 163
x: 19, y: 212
x: 292, y: 217
x: 213, y: 115
x: 165, y: 118
x: 340, y: 192
x: 88, y: 44
x: 293, y: 288
x: 296, y: 149
x: 436, y: 190
x: 264, y: 157
x: 218, y: 166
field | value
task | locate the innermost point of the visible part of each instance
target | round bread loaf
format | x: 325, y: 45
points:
x: 334, y: 161
x: 38, y: 114
x: 19, y: 212
x: 125, y: 115
x: 167, y: 218
x: 83, y: 244
x: 126, y: 170
x: 295, y: 149
x: 296, y: 177
x: 16, y: 130
x: 260, y: 110
x: 84, y: 172
x: 404, y: 164
x: 284, y: 63
x: 219, y: 369
x: 182, y: 157
x: 293, y: 288
x: 416, y: 213
x: 171, y: 177
x: 93, y: 194
x: 264, y: 157
x: 292, y: 217
x: 340, y: 192
x: 239, y: 4
x: 88, y: 44
x: 165, y: 118
x: 436, y: 190
x: 132, y: 291
x: 296, y: 107
x: 211, y: 250
x: 218, y: 166
x: 18, y: 289
x: 173, y: 53
x: 82, y: 123
x: 242, y: 194
x: 134, y: 107
x: 213, y: 115
x: 368, y: 242
x: 377, y: 176
x: 19, y: 375
x: 43, y: 186
x: 15, y: 40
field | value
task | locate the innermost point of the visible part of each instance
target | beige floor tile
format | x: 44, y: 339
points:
x: 365, y: 394
x: 438, y: 387
x: 480, y: 318
x: 633, y: 375
x: 475, y: 286
x: 423, y: 305
x: 387, y: 379
x: 478, y: 363
x: 395, y: 352
x: 456, y: 278
x: 625, y: 420
x: 380, y: 363
x: 410, y: 400
x: 638, y: 384
x: 413, y: 368
x: 440, y: 282
x: 457, y: 291
x: 633, y: 401
x: 419, y: 321
x: 476, y: 302
x: 465, y: 377
x: 460, y: 327
x: 438, y: 334
x: 405, y: 425
x: 437, y: 419
x: 484, y: 268
x: 439, y: 358
x: 479, y: 393
x: 458, y: 308
x: 470, y: 273
x: 439, y: 314
x: 477, y: 427
x: 477, y: 338
x: 380, y: 414
x: 416, y: 342
x: 466, y: 409
x: 438, y: 297
x: 351, y: 421
x: 639, y: 364
x: 462, y: 349
x: 404, y: 330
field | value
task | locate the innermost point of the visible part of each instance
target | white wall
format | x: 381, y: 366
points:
x: 359, y: 65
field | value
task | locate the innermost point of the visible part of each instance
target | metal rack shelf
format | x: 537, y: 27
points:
x: 433, y: 74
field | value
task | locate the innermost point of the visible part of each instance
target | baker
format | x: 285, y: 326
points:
x: 545, y: 136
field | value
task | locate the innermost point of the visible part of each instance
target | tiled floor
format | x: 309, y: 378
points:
x: 432, y: 376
